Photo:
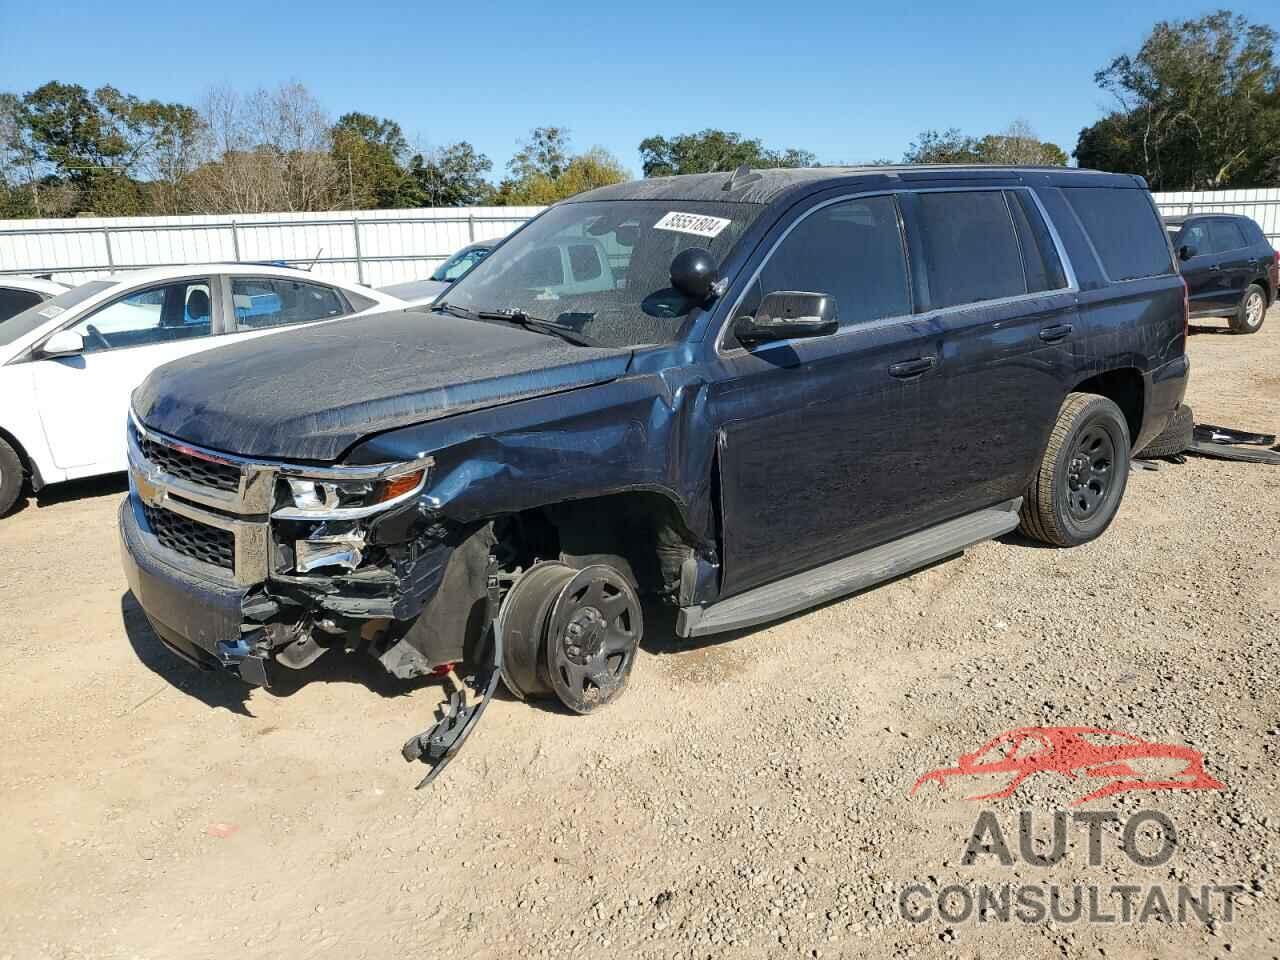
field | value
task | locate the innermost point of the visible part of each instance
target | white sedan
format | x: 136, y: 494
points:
x: 69, y: 364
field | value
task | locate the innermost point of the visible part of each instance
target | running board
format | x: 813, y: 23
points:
x: 848, y: 575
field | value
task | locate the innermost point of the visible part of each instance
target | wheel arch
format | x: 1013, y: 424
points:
x: 31, y: 469
x: 1126, y: 388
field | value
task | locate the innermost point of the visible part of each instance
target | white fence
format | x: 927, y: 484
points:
x: 375, y: 247
x: 1262, y: 205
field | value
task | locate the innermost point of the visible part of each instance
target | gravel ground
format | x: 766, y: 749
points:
x: 748, y: 797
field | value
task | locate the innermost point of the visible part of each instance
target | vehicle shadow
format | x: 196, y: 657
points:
x: 221, y: 689
x: 102, y: 486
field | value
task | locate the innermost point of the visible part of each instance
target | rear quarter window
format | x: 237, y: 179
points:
x: 1125, y: 230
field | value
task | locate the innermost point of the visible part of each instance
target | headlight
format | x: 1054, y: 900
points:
x: 349, y: 493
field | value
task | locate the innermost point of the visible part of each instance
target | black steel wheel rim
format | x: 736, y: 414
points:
x: 1091, y: 472
x: 595, y: 629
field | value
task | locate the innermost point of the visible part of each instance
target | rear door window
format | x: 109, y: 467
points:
x: 1225, y: 235
x: 970, y: 247
x: 1040, y: 260
x: 851, y: 251
x: 584, y: 261
x: 1125, y: 230
x: 262, y: 302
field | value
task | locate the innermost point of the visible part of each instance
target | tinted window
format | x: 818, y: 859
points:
x: 174, y: 311
x: 970, y: 249
x: 276, y: 302
x: 541, y: 268
x: 1225, y: 235
x: 1195, y: 235
x: 1040, y: 259
x: 852, y: 251
x: 15, y: 301
x: 1124, y: 229
x: 584, y: 262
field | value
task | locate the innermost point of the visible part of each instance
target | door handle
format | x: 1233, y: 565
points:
x: 1216, y: 268
x: 1056, y: 332
x: 909, y: 369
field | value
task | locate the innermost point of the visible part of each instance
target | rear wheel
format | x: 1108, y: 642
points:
x: 1078, y: 487
x: 11, y: 474
x: 1253, y: 310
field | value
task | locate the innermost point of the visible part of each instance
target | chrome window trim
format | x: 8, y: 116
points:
x: 1072, y: 287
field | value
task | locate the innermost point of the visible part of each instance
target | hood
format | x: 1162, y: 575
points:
x: 310, y: 393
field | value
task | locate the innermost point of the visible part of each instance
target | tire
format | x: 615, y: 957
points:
x: 1174, y: 439
x: 1253, y: 310
x: 1081, y: 479
x: 11, y: 475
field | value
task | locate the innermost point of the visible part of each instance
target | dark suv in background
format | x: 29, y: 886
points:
x: 1230, y: 268
x: 798, y: 383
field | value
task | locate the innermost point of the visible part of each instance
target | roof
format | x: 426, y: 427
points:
x: 1177, y: 219
x: 766, y: 186
x: 34, y: 284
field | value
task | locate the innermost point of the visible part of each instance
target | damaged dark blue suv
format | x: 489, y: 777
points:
x: 742, y: 394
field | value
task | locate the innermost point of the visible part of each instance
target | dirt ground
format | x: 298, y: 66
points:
x: 748, y: 797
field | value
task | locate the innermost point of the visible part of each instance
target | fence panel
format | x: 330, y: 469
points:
x: 376, y: 247
x: 1262, y: 205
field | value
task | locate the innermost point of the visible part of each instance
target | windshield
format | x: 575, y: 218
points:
x: 457, y: 265
x: 20, y: 324
x: 603, y: 269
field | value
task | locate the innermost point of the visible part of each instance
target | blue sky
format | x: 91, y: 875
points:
x: 849, y: 82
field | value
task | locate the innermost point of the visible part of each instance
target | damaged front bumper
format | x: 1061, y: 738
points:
x: 240, y: 563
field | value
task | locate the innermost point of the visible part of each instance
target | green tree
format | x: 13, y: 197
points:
x: 452, y: 176
x: 545, y: 171
x: 367, y: 152
x: 709, y: 151
x: 1016, y: 145
x: 103, y: 143
x: 1198, y: 107
x: 545, y: 153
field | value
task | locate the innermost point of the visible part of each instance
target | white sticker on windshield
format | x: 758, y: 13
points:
x: 51, y: 311
x: 695, y: 223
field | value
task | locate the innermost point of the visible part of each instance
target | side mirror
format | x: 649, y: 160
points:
x: 1187, y: 251
x: 694, y: 273
x: 64, y: 343
x: 788, y: 314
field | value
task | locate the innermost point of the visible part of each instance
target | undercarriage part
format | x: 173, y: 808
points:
x: 592, y: 636
x: 440, y: 743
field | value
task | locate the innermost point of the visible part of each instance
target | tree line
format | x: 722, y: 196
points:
x: 1197, y: 106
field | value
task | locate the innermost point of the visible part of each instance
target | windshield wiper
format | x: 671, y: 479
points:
x: 452, y: 310
x: 538, y: 325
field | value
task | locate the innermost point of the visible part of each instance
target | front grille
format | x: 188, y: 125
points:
x: 192, y: 538
x: 206, y: 473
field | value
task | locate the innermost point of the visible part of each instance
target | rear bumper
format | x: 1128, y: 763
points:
x: 194, y: 614
x: 1166, y: 388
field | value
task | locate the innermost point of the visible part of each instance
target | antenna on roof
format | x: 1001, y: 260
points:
x: 739, y: 178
